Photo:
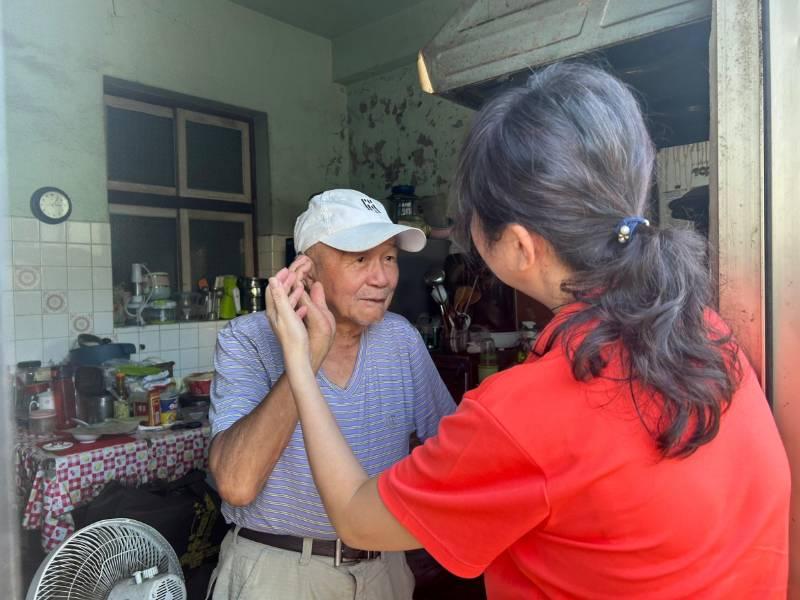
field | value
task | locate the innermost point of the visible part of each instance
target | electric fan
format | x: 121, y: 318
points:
x: 114, y: 559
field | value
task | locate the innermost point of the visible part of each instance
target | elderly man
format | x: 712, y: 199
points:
x: 379, y: 382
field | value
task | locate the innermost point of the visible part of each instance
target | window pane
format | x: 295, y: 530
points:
x: 149, y: 240
x: 214, y: 158
x: 217, y: 248
x: 141, y: 147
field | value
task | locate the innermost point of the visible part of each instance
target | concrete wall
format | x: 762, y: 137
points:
x: 391, y: 42
x: 401, y: 135
x: 56, y: 280
x: 57, y: 52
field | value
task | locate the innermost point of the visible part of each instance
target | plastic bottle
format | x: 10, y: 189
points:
x: 487, y: 365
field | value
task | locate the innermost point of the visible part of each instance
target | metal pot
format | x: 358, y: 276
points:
x: 96, y: 409
x: 96, y: 355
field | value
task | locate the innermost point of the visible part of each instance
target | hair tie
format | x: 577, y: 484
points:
x: 627, y: 227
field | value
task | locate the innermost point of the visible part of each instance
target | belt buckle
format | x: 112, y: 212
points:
x: 338, y: 559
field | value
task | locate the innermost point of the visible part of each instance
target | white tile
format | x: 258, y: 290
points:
x: 79, y: 255
x: 170, y: 339
x: 79, y: 233
x: 101, y: 278
x: 104, y: 322
x: 168, y: 327
x: 24, y: 229
x: 150, y: 340
x: 79, y: 301
x: 80, y: 323
x: 205, y: 357
x: 54, y: 302
x: 28, y: 328
x: 9, y: 352
x: 55, y: 350
x: 189, y: 338
x: 27, y: 253
x: 28, y: 350
x: 171, y: 356
x: 101, y: 233
x: 27, y: 278
x: 27, y: 303
x: 53, y: 233
x: 54, y: 326
x: 6, y: 278
x: 278, y: 243
x: 101, y: 255
x: 54, y: 255
x: 54, y: 278
x: 263, y: 244
x: 103, y: 300
x: 128, y: 337
x: 80, y: 278
x: 188, y: 358
x: 7, y: 315
x: 207, y: 336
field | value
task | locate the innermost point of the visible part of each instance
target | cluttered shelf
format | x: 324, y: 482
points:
x: 55, y: 475
x: 82, y: 426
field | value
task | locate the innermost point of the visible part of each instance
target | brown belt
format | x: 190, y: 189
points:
x: 335, y: 549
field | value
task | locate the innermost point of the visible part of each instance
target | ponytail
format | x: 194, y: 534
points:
x: 653, y: 299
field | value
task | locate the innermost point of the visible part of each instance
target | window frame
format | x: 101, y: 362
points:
x: 150, y: 109
x: 182, y: 116
x: 187, y: 214
x: 182, y: 218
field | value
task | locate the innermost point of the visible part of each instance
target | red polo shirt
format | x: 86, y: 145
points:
x: 553, y: 488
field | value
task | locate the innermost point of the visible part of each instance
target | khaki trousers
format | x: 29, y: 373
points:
x: 248, y: 570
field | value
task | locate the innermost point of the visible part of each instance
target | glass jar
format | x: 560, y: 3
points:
x: 487, y: 365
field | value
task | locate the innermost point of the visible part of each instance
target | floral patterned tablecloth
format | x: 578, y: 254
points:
x: 51, y: 486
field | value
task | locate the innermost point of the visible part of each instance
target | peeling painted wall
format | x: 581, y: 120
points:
x: 400, y: 135
x: 56, y: 54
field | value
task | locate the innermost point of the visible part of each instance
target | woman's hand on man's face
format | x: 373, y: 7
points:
x: 284, y: 314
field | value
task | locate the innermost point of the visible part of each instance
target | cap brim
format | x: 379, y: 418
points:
x: 369, y: 235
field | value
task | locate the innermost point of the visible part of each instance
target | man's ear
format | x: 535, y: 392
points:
x: 522, y: 246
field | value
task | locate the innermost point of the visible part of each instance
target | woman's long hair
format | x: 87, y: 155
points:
x: 568, y: 157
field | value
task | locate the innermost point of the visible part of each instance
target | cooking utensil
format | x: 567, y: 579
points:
x: 469, y: 301
x: 90, y: 433
x: 95, y: 355
x: 97, y: 409
x: 461, y: 296
x: 89, y: 380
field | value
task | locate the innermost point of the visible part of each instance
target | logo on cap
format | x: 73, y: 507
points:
x: 369, y: 204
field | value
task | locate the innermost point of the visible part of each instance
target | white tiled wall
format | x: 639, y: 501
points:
x: 271, y: 254
x: 59, y: 285
x: 57, y: 272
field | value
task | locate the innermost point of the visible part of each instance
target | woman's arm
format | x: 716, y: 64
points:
x: 350, y: 497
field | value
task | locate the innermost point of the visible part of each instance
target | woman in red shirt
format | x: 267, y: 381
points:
x: 634, y: 454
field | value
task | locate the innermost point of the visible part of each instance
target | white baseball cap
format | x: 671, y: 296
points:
x: 353, y: 222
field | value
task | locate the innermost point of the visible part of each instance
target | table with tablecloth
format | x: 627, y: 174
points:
x: 50, y: 485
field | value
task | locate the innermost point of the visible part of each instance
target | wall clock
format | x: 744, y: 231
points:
x: 51, y: 205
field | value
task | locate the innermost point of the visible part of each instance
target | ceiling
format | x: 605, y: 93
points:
x: 668, y: 72
x: 328, y: 18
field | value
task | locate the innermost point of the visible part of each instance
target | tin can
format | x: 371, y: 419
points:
x: 154, y: 406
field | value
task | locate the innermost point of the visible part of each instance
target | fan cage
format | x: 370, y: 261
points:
x: 88, y: 564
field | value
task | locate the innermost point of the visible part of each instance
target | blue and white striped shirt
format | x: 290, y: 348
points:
x: 393, y: 391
